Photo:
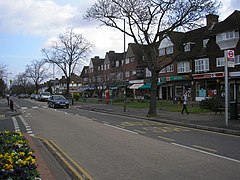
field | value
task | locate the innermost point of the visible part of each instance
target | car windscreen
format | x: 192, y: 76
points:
x: 59, y: 98
x: 46, y: 94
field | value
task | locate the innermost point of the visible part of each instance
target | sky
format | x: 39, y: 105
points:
x: 27, y: 26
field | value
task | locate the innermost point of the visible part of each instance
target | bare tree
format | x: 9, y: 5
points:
x: 22, y: 80
x: 37, y: 73
x: 67, y: 53
x: 149, y: 22
x: 3, y: 71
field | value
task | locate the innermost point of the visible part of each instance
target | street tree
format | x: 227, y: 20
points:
x: 148, y: 22
x: 22, y: 82
x: 68, y: 52
x: 37, y: 72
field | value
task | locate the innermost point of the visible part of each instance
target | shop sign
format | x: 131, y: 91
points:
x: 208, y: 75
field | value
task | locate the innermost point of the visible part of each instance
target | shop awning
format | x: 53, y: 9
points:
x: 113, y: 88
x: 135, y: 86
x: 145, y: 86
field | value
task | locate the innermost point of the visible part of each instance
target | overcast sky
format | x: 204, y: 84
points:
x: 26, y: 26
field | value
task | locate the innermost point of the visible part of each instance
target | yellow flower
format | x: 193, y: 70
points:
x: 30, y: 153
x: 1, y: 156
x: 22, y: 154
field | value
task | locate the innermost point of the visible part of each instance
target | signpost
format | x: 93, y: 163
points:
x: 230, y: 58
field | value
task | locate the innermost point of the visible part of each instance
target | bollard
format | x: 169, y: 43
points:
x: 11, y: 105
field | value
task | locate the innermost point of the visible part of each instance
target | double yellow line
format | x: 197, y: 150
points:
x: 76, y: 171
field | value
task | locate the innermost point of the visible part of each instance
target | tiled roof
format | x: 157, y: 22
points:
x: 232, y: 22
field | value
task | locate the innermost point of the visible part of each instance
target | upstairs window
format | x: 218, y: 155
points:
x: 187, y: 47
x: 127, y: 61
x: 169, y: 50
x: 205, y: 41
x: 237, y: 59
x: 183, y: 67
x: 117, y: 63
x: 162, y: 52
x: 163, y: 70
x: 170, y: 68
x: 202, y: 65
x: 220, y: 62
x: 227, y: 35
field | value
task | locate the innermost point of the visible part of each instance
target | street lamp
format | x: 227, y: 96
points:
x: 124, y: 48
x: 225, y: 41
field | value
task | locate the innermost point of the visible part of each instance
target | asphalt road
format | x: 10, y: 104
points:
x: 116, y: 147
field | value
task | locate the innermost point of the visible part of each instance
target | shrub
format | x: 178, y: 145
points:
x: 212, y: 103
x: 76, y: 96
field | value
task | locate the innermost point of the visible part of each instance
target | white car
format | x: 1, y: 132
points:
x: 44, y: 96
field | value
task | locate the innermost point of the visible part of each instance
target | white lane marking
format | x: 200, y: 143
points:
x: 27, y: 127
x: 15, y: 124
x: 211, y: 154
x: 120, y: 128
x: 24, y: 108
x: 35, y: 107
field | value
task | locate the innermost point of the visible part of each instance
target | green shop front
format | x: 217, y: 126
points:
x: 172, y: 87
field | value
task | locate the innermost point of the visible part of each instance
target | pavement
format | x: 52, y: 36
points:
x: 54, y: 165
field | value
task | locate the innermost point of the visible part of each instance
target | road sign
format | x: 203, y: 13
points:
x: 230, y: 54
x: 230, y: 58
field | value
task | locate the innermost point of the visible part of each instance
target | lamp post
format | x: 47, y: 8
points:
x: 124, y: 48
x: 225, y: 44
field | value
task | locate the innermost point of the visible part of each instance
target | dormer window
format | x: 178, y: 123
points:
x: 187, y: 47
x: 205, y: 41
x: 162, y: 52
x: 227, y: 35
x: 169, y: 50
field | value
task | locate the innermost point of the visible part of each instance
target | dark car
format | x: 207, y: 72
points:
x: 58, y: 101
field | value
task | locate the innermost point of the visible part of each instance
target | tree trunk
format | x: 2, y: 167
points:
x: 152, y: 112
x: 68, y: 83
x: 36, y: 88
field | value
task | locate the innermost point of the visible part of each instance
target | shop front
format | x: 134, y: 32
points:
x: 207, y: 85
x: 172, y: 87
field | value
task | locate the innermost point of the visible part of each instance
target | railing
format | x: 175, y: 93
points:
x: 96, y: 100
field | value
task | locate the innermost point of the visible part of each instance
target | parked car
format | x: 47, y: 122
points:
x: 44, y: 96
x: 58, y: 101
x: 23, y: 96
x: 33, y: 96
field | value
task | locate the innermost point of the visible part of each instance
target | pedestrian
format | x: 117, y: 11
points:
x: 184, y: 100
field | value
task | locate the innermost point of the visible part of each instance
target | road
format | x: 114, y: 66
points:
x: 117, y: 147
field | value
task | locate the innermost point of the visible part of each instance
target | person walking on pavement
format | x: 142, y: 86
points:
x: 184, y: 99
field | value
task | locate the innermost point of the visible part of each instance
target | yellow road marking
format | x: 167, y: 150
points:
x: 204, y: 148
x: 65, y: 161
x: 168, y: 139
x: 141, y: 132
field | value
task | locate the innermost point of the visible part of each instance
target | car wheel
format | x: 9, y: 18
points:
x: 67, y: 106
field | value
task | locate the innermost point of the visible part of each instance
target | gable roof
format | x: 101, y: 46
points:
x: 232, y: 22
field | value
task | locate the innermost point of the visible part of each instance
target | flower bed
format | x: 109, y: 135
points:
x: 17, y: 160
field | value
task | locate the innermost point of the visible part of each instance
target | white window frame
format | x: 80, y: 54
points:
x: 162, y: 52
x: 117, y: 63
x: 220, y: 62
x: 202, y: 65
x: 227, y: 35
x: 237, y: 59
x: 205, y: 41
x: 187, y: 47
x: 127, y: 61
x: 170, y: 68
x: 163, y: 70
x: 169, y: 50
x: 183, y: 67
x: 127, y: 74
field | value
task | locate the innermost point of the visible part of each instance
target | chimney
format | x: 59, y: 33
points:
x: 212, y: 19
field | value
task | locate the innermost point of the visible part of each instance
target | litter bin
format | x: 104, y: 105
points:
x: 233, y: 110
